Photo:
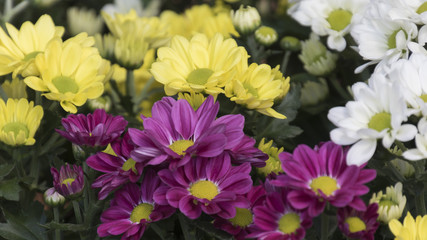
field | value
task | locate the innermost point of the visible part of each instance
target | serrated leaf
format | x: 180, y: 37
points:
x: 9, y: 189
x: 5, y: 169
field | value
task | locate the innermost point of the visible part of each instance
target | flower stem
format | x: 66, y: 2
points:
x: 3, y: 94
x: 420, y: 203
x: 285, y: 61
x: 143, y: 94
x: 56, y: 218
x: 324, y: 233
x: 341, y: 91
x: 130, y: 84
x: 77, y: 212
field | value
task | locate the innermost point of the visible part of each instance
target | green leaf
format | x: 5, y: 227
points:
x: 9, y: 232
x: 9, y: 189
x: 5, y: 169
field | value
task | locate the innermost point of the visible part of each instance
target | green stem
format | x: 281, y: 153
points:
x: 15, y: 10
x: 35, y: 167
x: 130, y: 84
x: 341, y: 91
x: 77, y: 212
x: 38, y: 99
x: 285, y: 61
x: 420, y: 203
x: 143, y: 94
x: 56, y: 218
x: 400, y: 145
x: 17, y: 158
x: 324, y: 218
x: 3, y: 94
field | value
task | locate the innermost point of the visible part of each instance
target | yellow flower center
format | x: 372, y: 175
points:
x: 243, y: 217
x: 65, y: 84
x: 339, y: 19
x: 387, y: 203
x: 204, y: 189
x: 31, y: 55
x: 380, y: 121
x: 355, y: 224
x: 289, y: 223
x: 199, y: 76
x: 250, y: 89
x: 142, y: 211
x: 392, y: 39
x: 327, y: 184
x: 180, y: 146
x: 129, y: 164
x: 424, y: 96
x: 16, y: 128
x: 422, y: 8
x: 68, y: 181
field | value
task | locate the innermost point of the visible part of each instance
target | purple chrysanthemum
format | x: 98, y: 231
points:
x: 246, y: 151
x: 358, y: 224
x: 242, y: 224
x: 133, y: 208
x: 209, y: 185
x: 321, y: 175
x: 69, y: 181
x: 277, y: 220
x: 176, y: 132
x: 97, y: 129
x: 118, y: 168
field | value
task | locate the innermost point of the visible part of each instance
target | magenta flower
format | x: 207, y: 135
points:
x: 242, y: 224
x: 246, y: 151
x: 118, y: 168
x: 358, y: 224
x: 133, y: 208
x: 209, y: 185
x: 69, y: 181
x: 176, y: 132
x: 97, y: 129
x: 277, y: 220
x: 321, y: 175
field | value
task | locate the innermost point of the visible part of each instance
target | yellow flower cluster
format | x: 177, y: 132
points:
x: 411, y: 229
x: 273, y: 164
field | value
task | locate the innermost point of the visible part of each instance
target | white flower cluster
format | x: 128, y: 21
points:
x: 391, y: 34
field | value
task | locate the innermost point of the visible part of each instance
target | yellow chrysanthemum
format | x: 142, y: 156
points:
x: 19, y: 48
x: 69, y: 72
x: 411, y: 229
x: 195, y: 99
x: 273, y: 163
x: 197, y: 65
x: 19, y: 121
x: 257, y: 87
x: 15, y: 88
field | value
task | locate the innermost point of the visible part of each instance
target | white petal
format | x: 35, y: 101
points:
x: 406, y: 132
x: 413, y: 155
x: 361, y: 152
x: 342, y: 137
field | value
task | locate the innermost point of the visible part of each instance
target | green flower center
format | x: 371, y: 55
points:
x: 68, y: 181
x: 387, y: 203
x: 180, y: 146
x: 380, y: 121
x: 339, y: 19
x: 129, y: 164
x: 31, y: 55
x: 204, y: 189
x: 327, y: 184
x: 355, y: 224
x: 250, y: 89
x: 243, y: 217
x: 289, y: 223
x: 65, y: 84
x: 199, y: 76
x: 422, y: 8
x: 392, y: 39
x: 16, y: 128
x: 142, y: 211
x: 424, y: 96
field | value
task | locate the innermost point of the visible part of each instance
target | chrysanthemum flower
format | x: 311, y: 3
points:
x: 378, y: 112
x: 245, y: 151
x: 199, y: 65
x: 242, y: 224
x: 358, y: 224
x: 391, y: 204
x: 69, y: 181
x: 317, y: 60
x: 176, y: 132
x: 133, y: 208
x: 19, y: 121
x: 411, y: 229
x: 276, y: 219
x: 69, y: 72
x: 15, y: 88
x: 257, y: 86
x: 119, y: 168
x: 83, y: 20
x: 273, y: 164
x: 210, y: 185
x: 18, y: 51
x: 95, y: 129
x: 320, y: 175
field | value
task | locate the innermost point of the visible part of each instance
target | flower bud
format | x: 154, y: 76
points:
x: 246, y: 19
x: 290, y: 43
x: 266, y: 35
x: 53, y: 198
x: 316, y: 58
x: 314, y: 92
x: 103, y: 102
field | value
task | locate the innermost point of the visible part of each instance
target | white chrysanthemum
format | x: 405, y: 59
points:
x: 412, y: 10
x: 124, y: 6
x: 412, y: 75
x: 376, y: 113
x: 391, y: 204
x: 420, y: 142
x: 381, y: 39
x: 332, y: 18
